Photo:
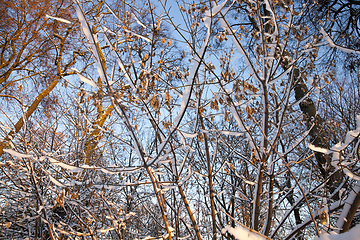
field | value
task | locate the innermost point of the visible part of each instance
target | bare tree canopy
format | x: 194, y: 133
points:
x: 142, y: 119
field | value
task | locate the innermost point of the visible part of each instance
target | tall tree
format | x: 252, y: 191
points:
x: 184, y: 118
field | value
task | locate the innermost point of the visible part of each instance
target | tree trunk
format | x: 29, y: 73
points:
x: 20, y: 123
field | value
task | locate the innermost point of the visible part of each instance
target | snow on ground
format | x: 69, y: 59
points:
x: 352, y: 234
x: 243, y: 233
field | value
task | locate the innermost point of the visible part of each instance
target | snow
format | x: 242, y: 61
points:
x: 182, y: 138
x: 56, y: 182
x: 242, y: 127
x: 85, y: 166
x: 215, y: 10
x: 193, y: 71
x: 59, y: 19
x: 347, y: 50
x: 92, y: 38
x: 16, y: 154
x: 105, y: 230
x: 183, y: 180
x: 249, y: 182
x: 108, y: 187
x: 196, y: 61
x: 65, y: 166
x: 268, y: 8
x: 332, y: 44
x: 137, y: 20
x: 138, y: 35
x: 319, y: 149
x: 351, y: 175
x: 124, y: 70
x: 353, y: 234
x: 237, y: 43
x: 350, y: 136
x: 297, y: 142
x: 212, y: 12
x: 327, y: 38
x: 108, y: 171
x: 242, y: 51
x: 107, y: 30
x: 281, y: 75
x: 87, y: 80
x: 230, y: 133
x: 350, y: 199
x: 189, y: 135
x: 243, y: 233
x: 337, y: 148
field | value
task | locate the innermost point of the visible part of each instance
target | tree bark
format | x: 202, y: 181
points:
x: 307, y: 106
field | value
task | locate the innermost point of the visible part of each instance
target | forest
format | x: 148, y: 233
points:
x: 174, y: 119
